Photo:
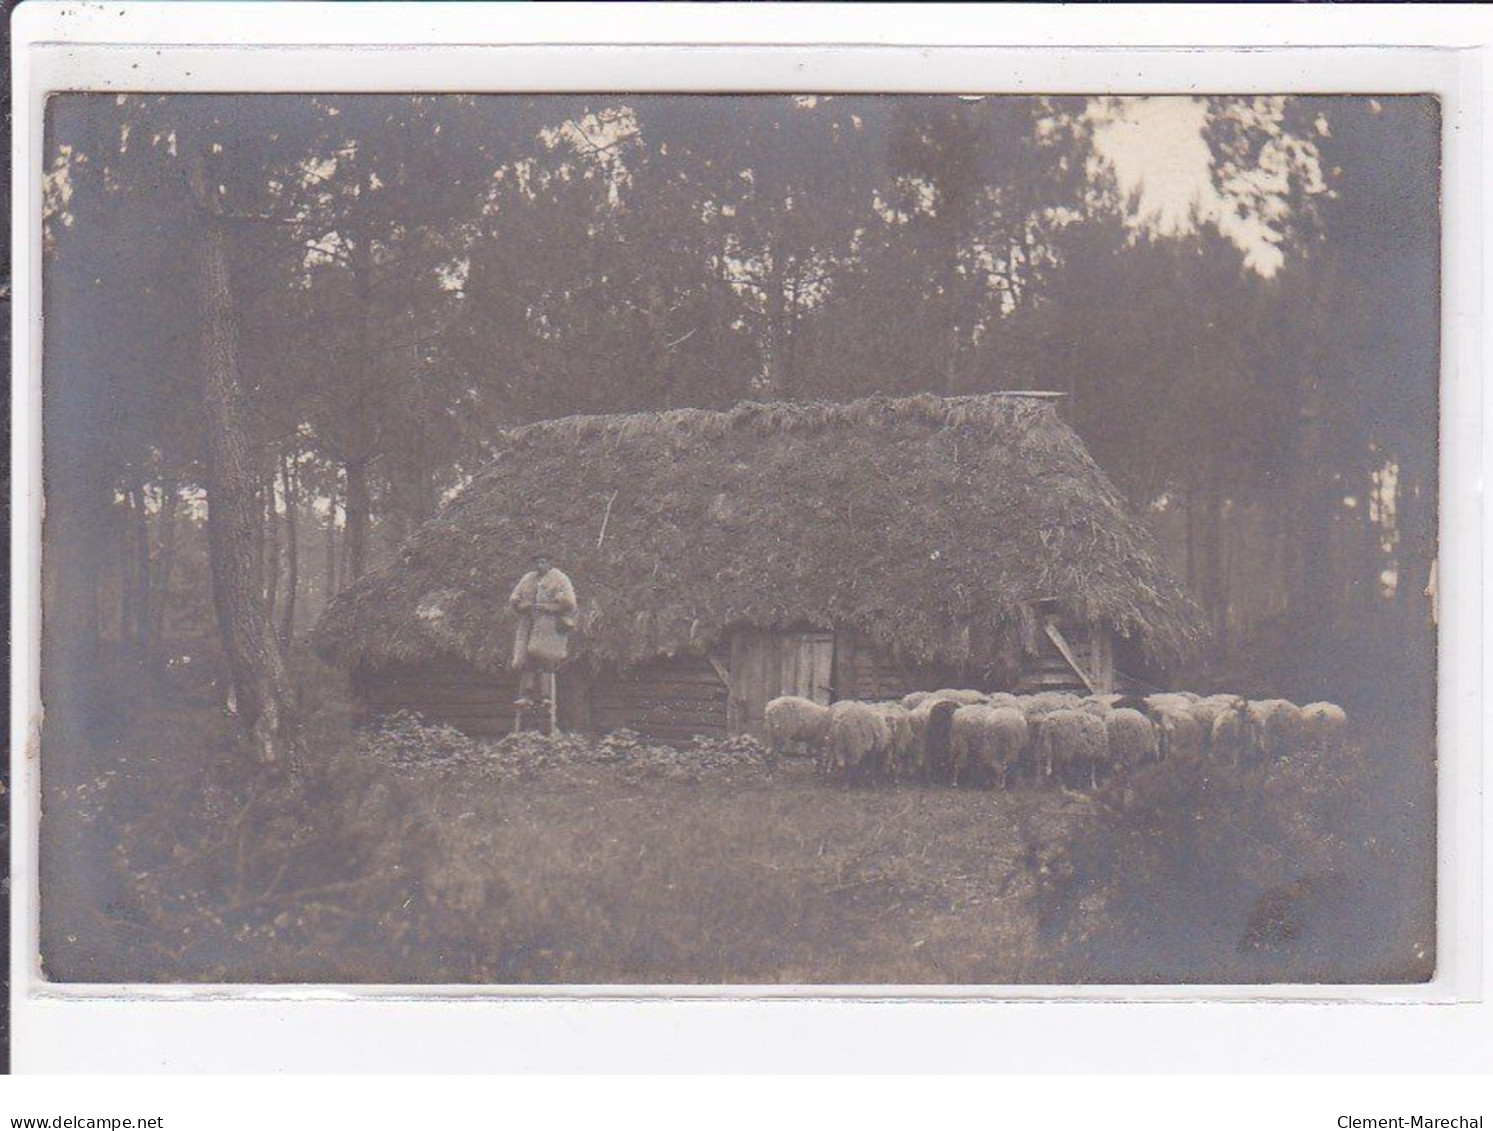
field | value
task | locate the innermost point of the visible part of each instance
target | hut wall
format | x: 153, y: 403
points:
x: 445, y: 690
x: 865, y: 670
x: 675, y: 699
x: 668, y: 701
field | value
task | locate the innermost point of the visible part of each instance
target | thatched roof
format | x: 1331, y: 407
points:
x: 931, y: 524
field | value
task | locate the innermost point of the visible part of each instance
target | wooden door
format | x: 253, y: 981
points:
x: 807, y: 665
x: 749, y: 681
x: 765, y: 665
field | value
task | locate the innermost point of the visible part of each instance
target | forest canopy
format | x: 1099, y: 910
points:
x: 1238, y: 294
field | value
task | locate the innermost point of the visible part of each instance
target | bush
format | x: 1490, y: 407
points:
x: 1204, y: 872
x: 407, y: 739
x: 408, y: 742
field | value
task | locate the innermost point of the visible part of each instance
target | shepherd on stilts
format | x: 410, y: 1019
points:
x: 544, y: 600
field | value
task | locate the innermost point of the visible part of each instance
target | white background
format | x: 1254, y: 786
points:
x: 1445, y: 1027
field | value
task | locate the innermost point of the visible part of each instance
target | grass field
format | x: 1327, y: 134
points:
x: 434, y: 859
x: 787, y: 880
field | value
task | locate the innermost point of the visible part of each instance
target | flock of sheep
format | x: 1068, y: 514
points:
x: 968, y: 737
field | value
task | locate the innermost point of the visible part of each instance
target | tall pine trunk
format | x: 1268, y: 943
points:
x: 161, y: 577
x: 271, y: 550
x: 266, y: 699
x: 356, y: 511
x: 1312, y: 598
x: 140, y: 630
x: 289, y: 480
x: 1315, y: 597
x: 124, y: 562
x: 332, y: 542
x: 1211, y: 587
x: 779, y: 376
x: 1370, y: 574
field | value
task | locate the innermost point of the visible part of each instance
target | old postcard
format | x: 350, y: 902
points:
x: 748, y: 539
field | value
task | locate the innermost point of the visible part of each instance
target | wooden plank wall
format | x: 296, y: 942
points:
x: 867, y: 671
x: 447, y: 690
x: 1102, y: 660
x: 875, y: 675
x: 754, y: 672
x: 669, y: 701
x: 672, y: 700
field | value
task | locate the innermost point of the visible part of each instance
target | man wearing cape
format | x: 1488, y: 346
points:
x: 544, y: 600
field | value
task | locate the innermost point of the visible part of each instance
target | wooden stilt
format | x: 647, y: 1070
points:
x: 554, y: 699
x: 548, y: 690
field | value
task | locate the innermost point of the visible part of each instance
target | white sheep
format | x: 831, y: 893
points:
x: 1226, y: 698
x: 917, y: 723
x: 1227, y: 738
x: 902, y: 758
x: 858, y: 742
x: 1167, y: 699
x: 1324, y: 725
x: 792, y: 718
x: 967, y: 737
x: 1206, y: 712
x: 1063, y: 700
x: 963, y: 697
x: 1003, y: 699
x: 1272, y: 728
x: 1178, y: 734
x: 1097, y: 705
x: 1070, y: 742
x: 987, y: 743
x: 1011, y: 737
x: 915, y: 699
x: 1043, y: 703
x: 1132, y: 738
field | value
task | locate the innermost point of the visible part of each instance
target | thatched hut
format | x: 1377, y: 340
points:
x: 855, y: 550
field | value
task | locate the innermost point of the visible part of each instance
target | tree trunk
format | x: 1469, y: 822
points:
x: 140, y: 630
x: 1316, y: 594
x: 125, y: 567
x: 332, y: 543
x: 292, y: 551
x: 1189, y: 526
x: 266, y: 699
x: 1311, y: 604
x: 1229, y: 531
x: 791, y: 308
x: 93, y: 634
x: 356, y: 511
x: 1371, y: 545
x: 259, y: 585
x: 271, y: 550
x: 71, y: 683
x: 1416, y: 513
x: 1211, y: 566
x: 161, y: 577
x: 778, y: 377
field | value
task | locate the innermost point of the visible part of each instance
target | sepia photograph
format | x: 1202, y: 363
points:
x: 773, y: 539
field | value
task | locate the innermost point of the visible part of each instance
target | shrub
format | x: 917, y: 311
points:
x: 1207, y: 872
